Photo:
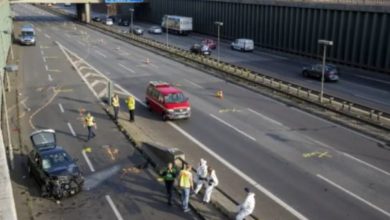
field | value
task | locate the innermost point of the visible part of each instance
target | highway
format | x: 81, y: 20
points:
x: 359, y: 86
x: 300, y: 166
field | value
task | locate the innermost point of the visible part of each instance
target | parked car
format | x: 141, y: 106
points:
x: 315, y: 71
x: 97, y: 19
x: 168, y: 101
x: 200, y: 49
x: 123, y: 22
x: 52, y: 167
x: 210, y: 43
x: 136, y: 30
x: 108, y: 21
x: 113, y: 17
x: 242, y: 44
x: 155, y: 30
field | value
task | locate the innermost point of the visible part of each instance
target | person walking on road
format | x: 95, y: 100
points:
x: 212, y: 181
x: 115, y: 105
x: 186, y: 185
x: 247, y: 207
x: 201, y: 175
x: 169, y: 176
x: 90, y: 122
x: 131, y: 106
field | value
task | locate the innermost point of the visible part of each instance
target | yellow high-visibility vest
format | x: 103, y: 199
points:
x: 185, y: 179
x: 89, y: 120
x: 131, y: 103
x: 115, y: 101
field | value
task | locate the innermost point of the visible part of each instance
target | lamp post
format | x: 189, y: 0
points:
x: 166, y: 28
x: 325, y: 43
x: 131, y: 22
x: 219, y: 25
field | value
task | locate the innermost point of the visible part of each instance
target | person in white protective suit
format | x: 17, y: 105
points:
x: 212, y: 181
x: 247, y: 207
x: 201, y: 175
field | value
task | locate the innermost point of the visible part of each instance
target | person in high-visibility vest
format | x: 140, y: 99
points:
x: 89, y: 121
x: 131, y: 106
x: 169, y: 176
x: 186, y: 185
x: 115, y: 105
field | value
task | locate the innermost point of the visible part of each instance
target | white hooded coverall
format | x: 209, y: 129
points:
x: 201, y: 175
x: 212, y: 181
x: 247, y: 207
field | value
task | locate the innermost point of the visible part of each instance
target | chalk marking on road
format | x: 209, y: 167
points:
x: 20, y: 102
x: 265, y: 117
x: 367, y: 164
x: 61, y: 107
x: 194, y: 84
x: 54, y: 70
x: 46, y: 35
x: 241, y: 174
x: 127, y: 68
x: 234, y: 128
x: 71, y: 129
x: 100, y: 53
x: 49, y: 77
x: 42, y: 107
x: 113, y: 207
x: 83, y: 152
x: 353, y: 195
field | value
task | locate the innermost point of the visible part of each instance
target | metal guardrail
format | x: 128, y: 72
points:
x: 356, y: 111
x: 348, y: 2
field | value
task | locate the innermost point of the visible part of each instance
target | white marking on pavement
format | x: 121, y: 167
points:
x: 371, y: 99
x: 94, y: 83
x: 103, y: 92
x: 88, y: 161
x: 46, y: 35
x: 113, y: 207
x: 100, y: 53
x: 192, y: 83
x: 47, y: 68
x: 373, y: 79
x: 61, y: 108
x: 49, y: 77
x: 231, y: 126
x: 42, y: 52
x: 127, y: 68
x: 265, y: 117
x: 367, y: 164
x: 71, y: 129
x: 354, y: 195
x: 38, y: 29
x: 241, y: 174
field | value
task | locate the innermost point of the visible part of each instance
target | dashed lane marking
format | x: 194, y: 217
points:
x: 265, y: 117
x: 354, y: 195
x: 234, y: 128
x: 61, y: 108
x: 367, y: 164
x: 194, y: 84
x: 113, y: 207
x: 127, y: 68
x: 88, y: 161
x: 71, y: 129
x: 49, y: 77
x: 100, y: 53
x: 47, y: 36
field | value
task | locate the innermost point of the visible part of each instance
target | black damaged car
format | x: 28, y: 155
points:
x: 52, y: 167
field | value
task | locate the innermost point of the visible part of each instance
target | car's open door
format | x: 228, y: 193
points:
x: 43, y: 139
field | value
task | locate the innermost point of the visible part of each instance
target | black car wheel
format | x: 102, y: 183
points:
x: 164, y: 116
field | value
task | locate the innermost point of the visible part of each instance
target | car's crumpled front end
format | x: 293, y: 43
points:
x: 65, y: 186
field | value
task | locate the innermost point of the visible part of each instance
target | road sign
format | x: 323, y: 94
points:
x: 123, y: 1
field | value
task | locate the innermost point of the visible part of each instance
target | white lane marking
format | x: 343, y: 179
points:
x: 47, y: 68
x: 371, y: 99
x: 42, y: 52
x: 241, y: 174
x: 113, y: 207
x: 353, y: 195
x: 103, y: 92
x: 100, y: 53
x: 94, y: 83
x: 367, y: 164
x: 192, y: 83
x: 234, y: 128
x: 49, y: 77
x: 61, y: 108
x: 71, y: 129
x: 201, y: 145
x: 46, y: 35
x: 38, y: 29
x: 127, y: 68
x: 373, y: 79
x: 88, y: 161
x: 265, y: 117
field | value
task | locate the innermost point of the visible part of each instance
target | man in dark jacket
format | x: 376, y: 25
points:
x: 169, y: 175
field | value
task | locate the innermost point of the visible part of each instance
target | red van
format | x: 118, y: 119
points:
x: 168, y: 101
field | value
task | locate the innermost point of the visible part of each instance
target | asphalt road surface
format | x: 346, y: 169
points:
x: 300, y: 166
x: 356, y: 85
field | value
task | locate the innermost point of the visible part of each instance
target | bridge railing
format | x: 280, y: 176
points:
x: 351, y: 2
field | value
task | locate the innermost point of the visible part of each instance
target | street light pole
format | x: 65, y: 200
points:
x: 166, y: 28
x: 325, y: 43
x: 131, y: 23
x: 219, y: 25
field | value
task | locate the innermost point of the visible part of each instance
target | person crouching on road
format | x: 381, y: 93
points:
x: 169, y: 175
x: 115, y: 105
x: 89, y: 121
x: 212, y: 181
x: 186, y: 185
x: 131, y: 106
x: 201, y: 174
x: 247, y: 207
